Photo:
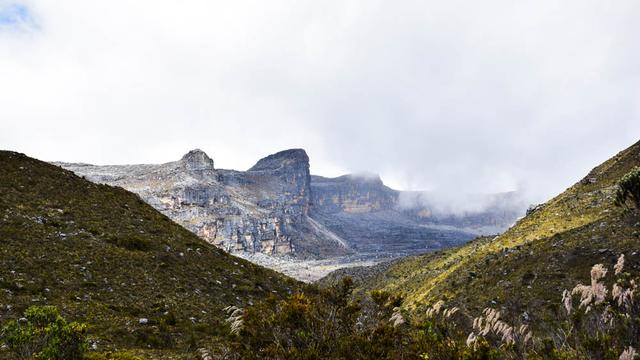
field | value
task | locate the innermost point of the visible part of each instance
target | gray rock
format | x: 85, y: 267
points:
x: 277, y: 208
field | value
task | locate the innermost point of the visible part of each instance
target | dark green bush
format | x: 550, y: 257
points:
x: 44, y: 334
x: 130, y: 242
x: 628, y: 194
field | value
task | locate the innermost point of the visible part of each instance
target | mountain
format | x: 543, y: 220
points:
x: 372, y: 217
x: 524, y: 270
x: 262, y: 210
x: 278, y: 208
x: 106, y: 258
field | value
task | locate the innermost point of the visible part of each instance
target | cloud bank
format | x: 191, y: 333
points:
x: 443, y: 96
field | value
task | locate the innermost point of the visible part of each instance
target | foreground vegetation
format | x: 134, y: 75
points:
x: 600, y: 321
x: 560, y: 284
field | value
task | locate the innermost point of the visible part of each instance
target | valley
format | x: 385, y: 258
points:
x: 278, y: 215
x: 144, y: 287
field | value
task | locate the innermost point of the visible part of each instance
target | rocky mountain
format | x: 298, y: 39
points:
x: 262, y: 210
x: 375, y: 218
x: 523, y: 271
x: 277, y: 208
x: 104, y: 257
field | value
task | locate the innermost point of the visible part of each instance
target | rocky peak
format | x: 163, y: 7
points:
x: 197, y: 160
x: 287, y: 158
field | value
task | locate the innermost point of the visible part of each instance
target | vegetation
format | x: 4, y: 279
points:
x: 104, y: 258
x: 44, y: 334
x: 628, y: 194
x: 526, y: 267
x: 329, y: 323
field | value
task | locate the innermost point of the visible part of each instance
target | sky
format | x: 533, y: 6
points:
x: 446, y: 96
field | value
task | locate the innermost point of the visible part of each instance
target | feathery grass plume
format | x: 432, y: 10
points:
x: 619, y: 266
x: 471, y: 340
x: 396, y: 318
x: 447, y: 313
x: 435, y: 309
x: 490, y: 323
x: 598, y: 271
x: 567, y: 301
x: 235, y: 318
x: 622, y: 296
x: 628, y: 354
x: 594, y: 294
x: 205, y: 354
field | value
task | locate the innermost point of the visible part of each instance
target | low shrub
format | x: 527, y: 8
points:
x: 44, y: 334
x: 628, y: 193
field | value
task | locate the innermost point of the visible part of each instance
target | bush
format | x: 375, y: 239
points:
x: 132, y: 242
x: 44, y: 334
x: 629, y: 190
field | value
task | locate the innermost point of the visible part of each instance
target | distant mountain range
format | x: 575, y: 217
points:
x: 278, y: 208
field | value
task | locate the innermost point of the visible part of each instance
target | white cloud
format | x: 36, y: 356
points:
x: 488, y: 96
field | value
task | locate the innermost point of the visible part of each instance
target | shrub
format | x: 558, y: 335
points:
x: 132, y: 242
x: 44, y: 334
x: 629, y: 190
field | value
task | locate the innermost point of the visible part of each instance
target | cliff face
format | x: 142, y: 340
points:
x: 355, y: 194
x: 373, y: 218
x: 277, y: 208
x: 261, y: 210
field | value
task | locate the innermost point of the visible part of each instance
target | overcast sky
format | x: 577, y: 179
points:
x: 487, y: 95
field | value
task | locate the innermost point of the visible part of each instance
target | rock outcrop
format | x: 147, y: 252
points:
x: 374, y: 218
x: 277, y: 208
x: 261, y: 210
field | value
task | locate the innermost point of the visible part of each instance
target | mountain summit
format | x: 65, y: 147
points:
x: 197, y: 160
x: 282, y: 159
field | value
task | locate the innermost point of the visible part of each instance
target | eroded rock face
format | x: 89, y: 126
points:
x: 357, y: 193
x: 264, y: 209
x: 277, y: 208
x: 373, y: 218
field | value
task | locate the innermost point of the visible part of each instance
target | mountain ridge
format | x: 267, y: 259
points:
x: 268, y: 208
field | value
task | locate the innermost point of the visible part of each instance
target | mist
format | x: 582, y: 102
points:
x: 454, y: 98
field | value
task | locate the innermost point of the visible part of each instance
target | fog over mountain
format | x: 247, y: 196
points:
x: 452, y: 97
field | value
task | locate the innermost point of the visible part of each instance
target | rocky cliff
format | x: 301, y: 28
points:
x: 264, y: 209
x: 277, y: 208
x: 372, y: 217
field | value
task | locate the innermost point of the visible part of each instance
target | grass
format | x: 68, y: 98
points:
x: 105, y: 258
x: 523, y: 271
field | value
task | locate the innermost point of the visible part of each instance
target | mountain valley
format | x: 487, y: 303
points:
x: 279, y: 215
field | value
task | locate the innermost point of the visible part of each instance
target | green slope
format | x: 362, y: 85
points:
x: 106, y: 258
x: 526, y: 268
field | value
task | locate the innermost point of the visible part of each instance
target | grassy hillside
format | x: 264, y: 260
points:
x: 523, y: 271
x: 106, y: 258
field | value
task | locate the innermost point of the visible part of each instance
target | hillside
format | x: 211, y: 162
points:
x: 105, y: 257
x: 524, y: 270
